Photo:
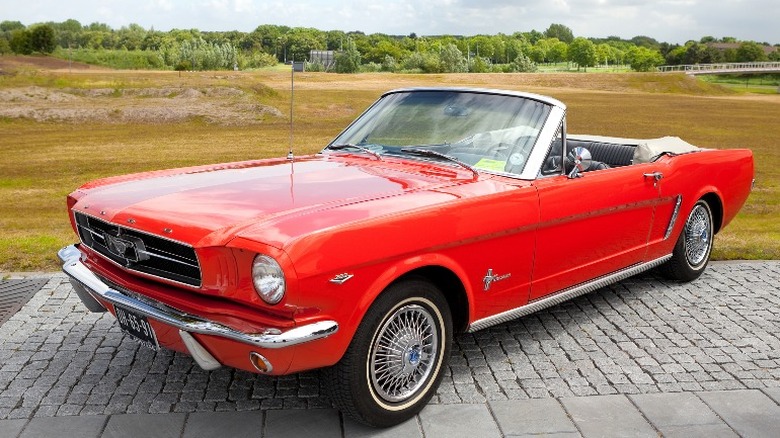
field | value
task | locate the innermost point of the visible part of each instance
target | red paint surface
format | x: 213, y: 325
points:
x: 378, y: 220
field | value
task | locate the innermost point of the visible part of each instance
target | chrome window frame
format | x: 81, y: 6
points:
x: 541, y: 147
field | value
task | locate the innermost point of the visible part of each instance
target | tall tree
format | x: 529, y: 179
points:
x: 644, y: 59
x: 4, y: 46
x: 21, y: 42
x: 559, y: 31
x: 516, y: 47
x: 698, y: 53
x: 582, y: 52
x: 645, y: 41
x: 750, y: 51
x: 348, y: 61
x: 67, y: 32
x: 558, y: 52
x: 42, y: 39
x: 8, y: 26
x: 452, y: 59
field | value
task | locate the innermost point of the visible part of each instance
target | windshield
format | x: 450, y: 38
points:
x: 486, y: 131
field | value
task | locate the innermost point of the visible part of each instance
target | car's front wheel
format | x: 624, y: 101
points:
x: 692, y: 251
x: 397, y: 356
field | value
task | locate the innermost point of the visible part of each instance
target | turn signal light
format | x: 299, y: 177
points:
x: 260, y: 363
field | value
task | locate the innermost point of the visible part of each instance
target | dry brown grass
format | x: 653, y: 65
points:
x: 43, y: 161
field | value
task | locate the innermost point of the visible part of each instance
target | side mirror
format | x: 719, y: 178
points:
x: 580, y: 160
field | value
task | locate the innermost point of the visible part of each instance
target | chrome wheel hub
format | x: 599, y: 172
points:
x: 698, y: 234
x: 413, y: 356
x: 403, y: 353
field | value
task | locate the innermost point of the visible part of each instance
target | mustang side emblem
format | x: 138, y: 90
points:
x: 490, y: 278
x: 130, y: 249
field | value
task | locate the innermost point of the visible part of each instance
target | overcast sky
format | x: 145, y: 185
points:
x: 674, y: 21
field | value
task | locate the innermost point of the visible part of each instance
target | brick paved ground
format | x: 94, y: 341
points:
x: 641, y: 336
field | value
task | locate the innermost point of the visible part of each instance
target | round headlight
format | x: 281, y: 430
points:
x: 268, y: 278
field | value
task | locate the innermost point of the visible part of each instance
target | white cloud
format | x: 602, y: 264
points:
x: 242, y: 6
x: 164, y: 5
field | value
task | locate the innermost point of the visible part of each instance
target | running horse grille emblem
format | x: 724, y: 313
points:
x: 128, y: 248
x: 491, y: 278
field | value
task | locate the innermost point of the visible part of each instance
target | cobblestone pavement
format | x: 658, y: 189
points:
x: 641, y: 336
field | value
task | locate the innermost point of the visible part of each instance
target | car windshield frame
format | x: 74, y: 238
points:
x: 488, y: 130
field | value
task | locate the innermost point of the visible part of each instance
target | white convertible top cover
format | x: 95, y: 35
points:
x: 646, y: 149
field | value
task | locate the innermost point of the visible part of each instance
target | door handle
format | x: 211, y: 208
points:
x: 656, y: 177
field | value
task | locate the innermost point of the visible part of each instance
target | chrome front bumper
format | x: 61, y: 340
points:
x: 271, y: 338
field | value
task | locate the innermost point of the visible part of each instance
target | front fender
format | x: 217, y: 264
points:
x: 410, y: 266
x: 362, y: 289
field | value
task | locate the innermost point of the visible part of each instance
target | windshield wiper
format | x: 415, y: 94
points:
x: 432, y: 153
x: 338, y: 147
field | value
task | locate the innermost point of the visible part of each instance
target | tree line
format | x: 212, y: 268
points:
x: 191, y: 49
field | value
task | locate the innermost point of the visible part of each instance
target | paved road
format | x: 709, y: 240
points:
x: 641, y: 358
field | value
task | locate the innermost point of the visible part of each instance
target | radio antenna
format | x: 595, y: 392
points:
x: 290, y: 155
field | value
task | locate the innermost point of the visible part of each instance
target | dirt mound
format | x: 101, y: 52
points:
x: 219, y: 105
x: 40, y: 62
x: 34, y: 94
x: 189, y: 93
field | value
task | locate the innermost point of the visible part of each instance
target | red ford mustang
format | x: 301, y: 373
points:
x: 439, y: 210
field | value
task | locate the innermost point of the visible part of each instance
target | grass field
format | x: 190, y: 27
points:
x: 60, y: 129
x: 757, y: 84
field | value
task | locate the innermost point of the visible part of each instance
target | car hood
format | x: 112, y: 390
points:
x: 262, y: 200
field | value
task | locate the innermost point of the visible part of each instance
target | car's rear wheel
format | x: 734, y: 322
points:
x: 692, y: 251
x: 397, y: 356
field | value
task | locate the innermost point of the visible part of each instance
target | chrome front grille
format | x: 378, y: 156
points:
x: 139, y: 251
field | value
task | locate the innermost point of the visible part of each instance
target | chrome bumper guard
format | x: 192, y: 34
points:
x: 271, y: 338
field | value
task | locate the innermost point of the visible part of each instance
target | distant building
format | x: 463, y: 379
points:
x: 325, y: 57
x: 722, y: 47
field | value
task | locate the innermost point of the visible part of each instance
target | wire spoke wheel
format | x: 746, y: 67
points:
x: 395, y: 360
x: 403, y: 353
x: 698, y: 236
x: 693, y: 247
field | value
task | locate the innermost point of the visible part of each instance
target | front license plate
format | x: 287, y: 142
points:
x: 138, y: 327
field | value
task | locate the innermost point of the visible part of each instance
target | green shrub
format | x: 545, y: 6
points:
x: 119, y: 59
x: 348, y: 61
x: 256, y: 59
x: 390, y: 64
x: 315, y: 66
x: 523, y: 64
x: 371, y: 67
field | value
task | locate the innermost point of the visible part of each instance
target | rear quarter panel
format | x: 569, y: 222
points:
x: 728, y: 174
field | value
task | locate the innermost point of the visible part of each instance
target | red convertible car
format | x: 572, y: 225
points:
x: 438, y: 211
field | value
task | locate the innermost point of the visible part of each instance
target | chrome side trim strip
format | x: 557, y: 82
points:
x: 673, y: 219
x: 271, y: 338
x: 565, y: 294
